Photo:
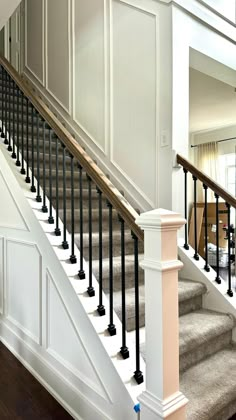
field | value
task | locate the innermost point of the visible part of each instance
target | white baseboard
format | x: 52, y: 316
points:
x: 49, y: 377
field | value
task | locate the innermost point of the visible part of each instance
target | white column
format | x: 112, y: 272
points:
x: 162, y: 398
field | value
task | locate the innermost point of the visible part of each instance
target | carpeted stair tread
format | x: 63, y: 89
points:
x: 210, y: 386
x: 199, y: 327
x: 130, y: 306
x: 189, y: 289
x: 129, y: 265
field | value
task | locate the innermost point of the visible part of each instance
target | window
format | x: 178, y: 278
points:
x: 230, y: 173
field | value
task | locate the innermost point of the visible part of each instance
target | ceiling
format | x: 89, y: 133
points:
x: 212, y: 102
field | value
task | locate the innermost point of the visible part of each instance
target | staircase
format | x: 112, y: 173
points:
x: 207, y: 353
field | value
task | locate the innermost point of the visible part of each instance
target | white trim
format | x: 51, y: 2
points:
x: 163, y: 409
x: 151, y: 202
x: 73, y: 115
x: 49, y: 279
x: 41, y: 81
x: 140, y: 202
x: 49, y: 377
x: 54, y: 96
x: 36, y: 339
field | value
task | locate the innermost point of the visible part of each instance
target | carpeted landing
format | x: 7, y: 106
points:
x: 207, y: 355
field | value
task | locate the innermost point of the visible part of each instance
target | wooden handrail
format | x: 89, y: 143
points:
x: 206, y: 180
x: 125, y: 210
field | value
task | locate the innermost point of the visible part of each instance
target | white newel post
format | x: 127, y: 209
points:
x: 162, y: 398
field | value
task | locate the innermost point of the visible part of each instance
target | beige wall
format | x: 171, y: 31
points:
x: 2, y: 42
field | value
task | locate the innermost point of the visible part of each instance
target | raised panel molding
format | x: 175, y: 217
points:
x: 59, y: 70
x: 41, y: 55
x: 24, y: 288
x: 90, y: 61
x: 69, y: 350
x: 11, y: 216
x: 134, y: 63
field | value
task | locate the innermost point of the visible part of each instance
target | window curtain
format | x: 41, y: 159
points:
x: 207, y: 161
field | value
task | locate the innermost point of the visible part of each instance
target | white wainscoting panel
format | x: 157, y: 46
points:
x: 89, y: 69
x: 58, y: 57
x: 134, y: 95
x: 68, y: 349
x: 1, y: 275
x: 23, y: 281
x: 10, y: 216
x: 35, y: 40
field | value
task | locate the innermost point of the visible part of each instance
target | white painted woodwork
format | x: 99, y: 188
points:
x: 10, y: 216
x: 224, y: 8
x: 35, y: 27
x: 134, y: 95
x: 16, y: 42
x: 48, y: 321
x: 58, y: 54
x: 23, y: 287
x: 162, y: 398
x: 7, y: 9
x: 89, y: 67
x: 121, y: 70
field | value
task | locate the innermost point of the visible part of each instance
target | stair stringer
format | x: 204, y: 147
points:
x: 43, y: 320
x: 216, y: 297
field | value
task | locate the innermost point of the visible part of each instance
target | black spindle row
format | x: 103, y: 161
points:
x: 37, y: 150
x: 196, y: 230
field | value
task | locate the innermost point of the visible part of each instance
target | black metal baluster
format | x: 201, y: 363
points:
x: 22, y: 135
x: 229, y: 291
x: 13, y: 155
x: 57, y: 229
x: 186, y: 246
x: 124, y: 349
x: 1, y: 128
x: 33, y: 188
x: 18, y: 127
x: 73, y: 258
x: 50, y: 217
x: 138, y: 375
x: 196, y: 256
x: 6, y: 109
x: 44, y: 207
x: 6, y: 141
x: 38, y: 198
x: 218, y: 279
x: 206, y: 267
x: 65, y: 244
x: 9, y: 115
x: 101, y: 309
x: 81, y: 273
x: 111, y: 326
x: 27, y: 179
x: 90, y: 289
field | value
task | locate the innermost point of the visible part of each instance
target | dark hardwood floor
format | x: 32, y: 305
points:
x: 22, y: 396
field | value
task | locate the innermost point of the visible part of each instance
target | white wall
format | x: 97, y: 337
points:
x: 118, y: 72
x: 193, y: 39
x: 104, y: 79
x: 44, y: 319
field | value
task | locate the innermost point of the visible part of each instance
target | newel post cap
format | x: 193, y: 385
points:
x: 160, y: 219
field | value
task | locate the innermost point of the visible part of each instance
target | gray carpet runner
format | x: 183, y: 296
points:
x: 207, y: 354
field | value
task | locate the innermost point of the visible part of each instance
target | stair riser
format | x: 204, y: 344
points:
x: 129, y: 281
x: 193, y: 357
x: 105, y: 250
x: 190, y: 305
